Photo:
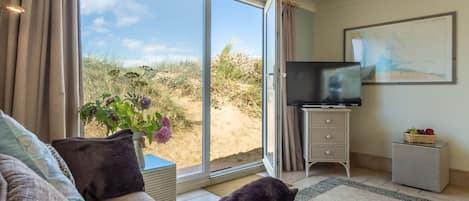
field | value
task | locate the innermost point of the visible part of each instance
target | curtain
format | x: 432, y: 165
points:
x: 292, y: 146
x: 40, y: 67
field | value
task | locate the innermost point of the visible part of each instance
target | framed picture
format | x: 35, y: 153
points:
x: 412, y: 51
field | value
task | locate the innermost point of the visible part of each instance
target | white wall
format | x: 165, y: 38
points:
x: 388, y: 110
x: 304, y: 31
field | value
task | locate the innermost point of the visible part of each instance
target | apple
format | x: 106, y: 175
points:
x: 421, y: 131
x: 429, y: 131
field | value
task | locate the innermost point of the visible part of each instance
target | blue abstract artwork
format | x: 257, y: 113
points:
x: 414, y: 51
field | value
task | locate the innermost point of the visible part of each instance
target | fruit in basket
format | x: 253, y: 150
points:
x: 412, y: 131
x: 429, y: 131
x: 421, y: 131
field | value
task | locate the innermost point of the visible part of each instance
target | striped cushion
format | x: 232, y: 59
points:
x: 22, y: 184
x: 62, y: 164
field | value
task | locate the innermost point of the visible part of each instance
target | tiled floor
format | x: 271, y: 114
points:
x: 365, y: 176
x: 198, y: 195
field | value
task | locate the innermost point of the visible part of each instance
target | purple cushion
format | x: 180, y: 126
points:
x: 103, y: 168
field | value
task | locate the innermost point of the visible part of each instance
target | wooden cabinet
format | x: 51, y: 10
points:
x: 326, y: 137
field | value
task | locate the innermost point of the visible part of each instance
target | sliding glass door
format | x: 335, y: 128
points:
x: 272, y: 100
x: 236, y: 85
x: 118, y: 38
x: 210, y: 66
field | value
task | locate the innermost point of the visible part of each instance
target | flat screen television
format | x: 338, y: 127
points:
x: 323, y: 83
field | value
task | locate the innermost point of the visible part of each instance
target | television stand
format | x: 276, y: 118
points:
x: 326, y: 136
x: 325, y: 106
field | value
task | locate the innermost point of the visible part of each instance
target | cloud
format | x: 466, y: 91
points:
x: 88, y: 7
x: 154, y: 48
x: 152, y: 53
x: 126, y: 12
x: 154, y: 59
x: 132, y: 43
x: 99, y: 25
x: 123, y: 21
x: 129, y: 12
x: 99, y: 21
x: 151, y: 48
x: 101, y: 43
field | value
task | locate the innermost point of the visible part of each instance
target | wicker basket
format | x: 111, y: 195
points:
x: 417, y: 138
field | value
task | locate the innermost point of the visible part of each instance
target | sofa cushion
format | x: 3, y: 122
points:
x: 267, y: 188
x: 61, y: 163
x: 3, y: 188
x: 20, y: 143
x: 102, y: 167
x: 22, y: 184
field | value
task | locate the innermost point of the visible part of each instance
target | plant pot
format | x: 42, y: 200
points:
x: 139, y: 144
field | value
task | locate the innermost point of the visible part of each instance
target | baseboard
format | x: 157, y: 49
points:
x: 370, y: 162
x: 194, y: 184
x: 457, y: 177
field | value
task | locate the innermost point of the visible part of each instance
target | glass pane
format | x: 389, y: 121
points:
x: 166, y: 36
x: 236, y: 92
x: 270, y: 83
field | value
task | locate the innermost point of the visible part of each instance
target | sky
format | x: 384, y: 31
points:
x: 145, y: 32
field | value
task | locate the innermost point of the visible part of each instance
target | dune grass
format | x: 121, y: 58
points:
x: 176, y: 91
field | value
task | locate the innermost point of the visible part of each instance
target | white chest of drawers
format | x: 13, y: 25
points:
x: 326, y: 137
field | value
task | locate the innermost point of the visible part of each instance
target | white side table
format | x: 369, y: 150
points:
x: 424, y: 166
x: 326, y: 137
x: 159, y: 176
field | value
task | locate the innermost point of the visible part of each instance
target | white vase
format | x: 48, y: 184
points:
x: 139, y: 144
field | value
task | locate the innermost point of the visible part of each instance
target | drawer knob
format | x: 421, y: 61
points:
x: 328, y: 137
x: 328, y: 152
x: 328, y: 121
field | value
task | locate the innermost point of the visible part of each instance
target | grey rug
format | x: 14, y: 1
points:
x: 341, y: 189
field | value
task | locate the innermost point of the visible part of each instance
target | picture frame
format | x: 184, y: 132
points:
x: 419, y: 50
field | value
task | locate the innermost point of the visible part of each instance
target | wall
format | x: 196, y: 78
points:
x: 306, y: 4
x: 388, y: 110
x: 303, y: 34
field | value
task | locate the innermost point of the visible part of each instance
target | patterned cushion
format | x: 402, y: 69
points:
x: 62, y: 164
x: 20, y: 143
x: 3, y: 188
x: 23, y: 184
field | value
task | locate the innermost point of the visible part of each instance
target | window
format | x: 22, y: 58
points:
x: 168, y: 37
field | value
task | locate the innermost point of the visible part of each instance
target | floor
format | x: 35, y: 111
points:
x: 365, y: 176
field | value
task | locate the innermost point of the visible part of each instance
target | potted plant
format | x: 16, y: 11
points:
x: 115, y: 112
x: 129, y: 112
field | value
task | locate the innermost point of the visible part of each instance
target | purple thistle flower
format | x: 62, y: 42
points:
x: 145, y: 103
x: 165, y: 122
x: 163, y: 135
x: 93, y: 111
x: 113, y: 117
x: 109, y: 101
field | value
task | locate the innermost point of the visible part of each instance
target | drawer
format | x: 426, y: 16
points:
x: 327, y: 136
x: 321, y: 152
x: 327, y: 119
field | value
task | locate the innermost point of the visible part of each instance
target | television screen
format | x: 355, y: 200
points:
x: 323, y: 83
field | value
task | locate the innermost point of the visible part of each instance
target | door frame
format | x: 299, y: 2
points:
x: 276, y: 169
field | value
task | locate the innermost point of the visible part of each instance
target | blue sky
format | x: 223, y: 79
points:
x: 141, y: 32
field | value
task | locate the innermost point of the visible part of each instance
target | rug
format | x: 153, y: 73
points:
x: 226, y: 188
x: 335, y: 189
